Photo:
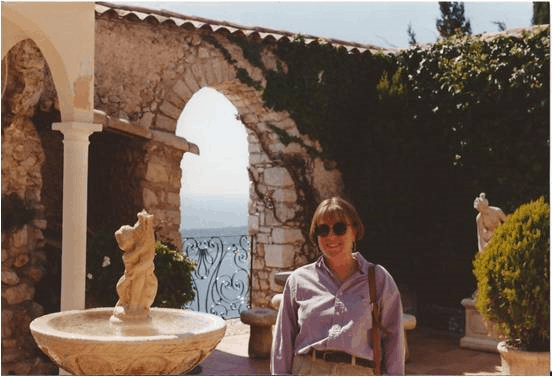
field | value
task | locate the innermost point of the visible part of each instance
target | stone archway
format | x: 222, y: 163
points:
x: 71, y: 57
x: 52, y: 83
x: 147, y: 70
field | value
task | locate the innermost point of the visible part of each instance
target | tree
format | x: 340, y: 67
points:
x: 541, y: 13
x: 453, y: 19
x: 500, y: 25
x: 411, y: 34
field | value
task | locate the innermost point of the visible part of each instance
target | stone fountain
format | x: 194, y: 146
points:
x: 131, y: 338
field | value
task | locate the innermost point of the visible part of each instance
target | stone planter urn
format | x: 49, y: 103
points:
x: 523, y: 363
x: 480, y: 335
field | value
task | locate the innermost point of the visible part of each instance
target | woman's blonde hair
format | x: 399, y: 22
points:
x: 339, y: 209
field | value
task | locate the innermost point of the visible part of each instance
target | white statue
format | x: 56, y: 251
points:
x: 487, y: 220
x: 137, y: 288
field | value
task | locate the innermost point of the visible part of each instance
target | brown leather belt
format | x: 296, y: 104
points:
x: 342, y: 357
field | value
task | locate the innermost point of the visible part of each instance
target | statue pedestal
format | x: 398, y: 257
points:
x: 480, y: 335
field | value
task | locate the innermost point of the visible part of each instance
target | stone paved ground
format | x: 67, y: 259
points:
x: 433, y: 352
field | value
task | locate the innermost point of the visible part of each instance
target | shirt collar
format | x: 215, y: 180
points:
x: 363, y: 264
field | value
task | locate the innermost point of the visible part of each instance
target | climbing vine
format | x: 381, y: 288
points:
x: 241, y: 73
x: 490, y: 100
x: 417, y: 135
x: 285, y: 138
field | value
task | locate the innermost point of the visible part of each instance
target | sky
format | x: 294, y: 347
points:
x: 380, y: 23
x: 219, y: 174
x: 208, y: 120
x: 215, y: 184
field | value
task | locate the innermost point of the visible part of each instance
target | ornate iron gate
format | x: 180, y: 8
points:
x: 222, y: 278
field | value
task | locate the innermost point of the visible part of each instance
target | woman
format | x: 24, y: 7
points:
x: 324, y: 324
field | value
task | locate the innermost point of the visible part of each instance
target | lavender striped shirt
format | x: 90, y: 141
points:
x: 319, y: 312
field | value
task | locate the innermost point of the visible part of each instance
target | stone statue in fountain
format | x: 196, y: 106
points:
x: 487, y: 220
x: 137, y: 288
x: 132, y: 338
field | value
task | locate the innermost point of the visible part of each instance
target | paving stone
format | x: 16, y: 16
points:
x: 433, y: 353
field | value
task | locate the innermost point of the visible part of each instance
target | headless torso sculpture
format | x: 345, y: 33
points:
x: 138, y: 286
x: 488, y: 219
x: 479, y: 334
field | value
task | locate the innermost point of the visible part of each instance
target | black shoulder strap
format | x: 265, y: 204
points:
x: 375, y: 333
x: 377, y: 321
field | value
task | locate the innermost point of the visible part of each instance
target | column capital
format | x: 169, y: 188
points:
x: 77, y: 129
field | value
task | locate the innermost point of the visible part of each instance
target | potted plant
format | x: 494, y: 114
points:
x: 513, y: 288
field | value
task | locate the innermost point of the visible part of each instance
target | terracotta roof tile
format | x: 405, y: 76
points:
x: 267, y: 34
x: 256, y: 32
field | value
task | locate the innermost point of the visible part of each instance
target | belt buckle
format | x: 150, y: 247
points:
x: 319, y: 355
x: 325, y: 355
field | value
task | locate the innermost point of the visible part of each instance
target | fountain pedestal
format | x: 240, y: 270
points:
x: 83, y: 342
x: 131, y: 338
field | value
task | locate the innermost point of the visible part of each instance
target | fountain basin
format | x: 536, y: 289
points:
x: 86, y: 342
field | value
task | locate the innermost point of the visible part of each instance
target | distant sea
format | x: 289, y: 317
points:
x: 231, y: 231
x: 199, y: 212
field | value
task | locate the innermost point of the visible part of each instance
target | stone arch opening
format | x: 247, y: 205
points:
x: 214, y: 203
x: 220, y: 171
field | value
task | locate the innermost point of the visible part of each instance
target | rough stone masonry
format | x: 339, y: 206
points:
x: 145, y: 73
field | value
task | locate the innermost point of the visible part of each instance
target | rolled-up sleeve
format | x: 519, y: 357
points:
x: 286, y: 329
x: 393, y: 355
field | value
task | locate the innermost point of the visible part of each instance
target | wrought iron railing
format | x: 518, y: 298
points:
x: 222, y: 278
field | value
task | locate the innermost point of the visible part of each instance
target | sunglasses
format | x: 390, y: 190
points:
x: 339, y: 229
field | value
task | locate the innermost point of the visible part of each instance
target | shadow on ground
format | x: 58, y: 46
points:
x: 221, y: 363
x: 434, y: 352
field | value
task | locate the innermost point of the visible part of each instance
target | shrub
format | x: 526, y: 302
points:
x: 513, y: 277
x: 104, y: 266
x: 174, y: 274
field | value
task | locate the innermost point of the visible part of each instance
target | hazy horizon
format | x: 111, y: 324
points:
x: 213, y: 211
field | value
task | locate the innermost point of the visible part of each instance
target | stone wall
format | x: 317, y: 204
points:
x: 24, y: 262
x: 145, y: 74
x: 160, y: 190
x: 147, y: 71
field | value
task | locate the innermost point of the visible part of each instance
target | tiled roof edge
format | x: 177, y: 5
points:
x: 266, y: 33
x: 180, y: 19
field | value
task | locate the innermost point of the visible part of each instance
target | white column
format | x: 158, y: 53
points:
x: 75, y: 179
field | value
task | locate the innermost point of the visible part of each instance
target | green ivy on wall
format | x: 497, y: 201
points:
x: 491, y: 101
x: 419, y: 134
x: 251, y: 52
